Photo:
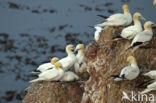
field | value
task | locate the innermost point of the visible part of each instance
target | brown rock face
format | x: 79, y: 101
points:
x: 48, y: 92
x: 104, y: 60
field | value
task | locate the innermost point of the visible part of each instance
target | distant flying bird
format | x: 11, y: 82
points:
x: 129, y: 72
x: 118, y: 19
x: 131, y: 31
x: 54, y: 74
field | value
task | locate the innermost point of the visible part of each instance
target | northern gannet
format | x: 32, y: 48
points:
x: 97, y: 32
x: 129, y: 72
x: 69, y: 76
x: 46, y: 66
x: 131, y: 31
x: 118, y: 19
x: 70, y: 60
x: 80, y: 65
x: 54, y: 74
x: 152, y: 86
x: 154, y: 2
x: 144, y: 36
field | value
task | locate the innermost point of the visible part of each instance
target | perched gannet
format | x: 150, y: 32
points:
x: 46, y: 66
x: 54, y: 74
x: 129, y: 72
x: 143, y: 36
x: 80, y: 65
x: 70, y: 60
x: 152, y: 86
x: 118, y: 19
x: 154, y: 2
x: 131, y: 31
x: 69, y: 76
x: 97, y: 32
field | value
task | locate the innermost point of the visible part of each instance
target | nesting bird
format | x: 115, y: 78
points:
x: 119, y: 19
x: 144, y: 36
x: 69, y: 77
x: 54, y: 74
x: 70, y: 60
x: 46, y: 66
x: 80, y: 64
x: 129, y: 72
x: 131, y: 31
x: 152, y: 86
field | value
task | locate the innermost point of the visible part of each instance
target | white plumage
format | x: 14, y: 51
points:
x: 131, y: 31
x: 80, y: 64
x: 143, y: 36
x: 129, y: 72
x: 69, y: 76
x: 151, y: 74
x: 70, y: 60
x: 119, y: 19
x: 97, y: 33
x: 54, y: 74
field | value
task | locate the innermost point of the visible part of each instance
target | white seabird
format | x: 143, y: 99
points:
x: 70, y: 60
x: 97, y: 32
x: 152, y: 86
x: 80, y: 65
x: 131, y: 31
x: 119, y: 19
x: 46, y: 66
x: 144, y: 36
x: 69, y: 76
x: 54, y: 74
x: 129, y: 72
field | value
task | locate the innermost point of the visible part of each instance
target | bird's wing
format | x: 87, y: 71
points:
x: 115, y: 17
x: 129, y: 32
x: 49, y: 74
x: 125, y: 70
x: 153, y: 85
x: 151, y: 74
x: 45, y: 66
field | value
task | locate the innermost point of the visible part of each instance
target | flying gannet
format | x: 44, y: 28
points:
x: 144, y: 36
x: 46, y: 66
x: 131, y: 31
x: 129, y: 72
x: 69, y: 76
x: 97, y: 32
x: 118, y: 19
x: 54, y: 74
x: 80, y: 65
x: 68, y: 61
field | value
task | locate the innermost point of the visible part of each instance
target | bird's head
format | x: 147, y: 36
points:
x: 138, y: 15
x: 131, y: 60
x: 148, y: 25
x: 58, y: 65
x: 54, y: 60
x: 79, y: 47
x: 69, y: 49
x: 125, y: 9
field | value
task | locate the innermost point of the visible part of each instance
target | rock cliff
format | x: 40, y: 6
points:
x: 105, y: 58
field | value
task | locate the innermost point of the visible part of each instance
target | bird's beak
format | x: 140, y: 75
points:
x: 153, y: 25
x: 73, y: 49
x: 142, y: 18
x: 91, y: 26
x: 128, y: 63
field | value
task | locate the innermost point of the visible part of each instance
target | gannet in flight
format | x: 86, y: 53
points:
x: 69, y: 76
x: 129, y: 72
x: 144, y: 36
x: 118, y: 19
x: 70, y: 60
x: 46, y: 66
x: 80, y: 65
x: 131, y: 31
x: 54, y: 74
x: 97, y: 32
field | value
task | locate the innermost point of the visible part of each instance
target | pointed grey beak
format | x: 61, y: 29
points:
x: 91, y: 26
x: 142, y: 18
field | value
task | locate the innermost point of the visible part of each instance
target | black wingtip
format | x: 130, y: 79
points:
x: 102, y: 16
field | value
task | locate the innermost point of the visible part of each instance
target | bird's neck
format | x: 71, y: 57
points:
x: 69, y: 52
x: 81, y: 52
x: 137, y: 22
x: 134, y: 64
x: 126, y: 11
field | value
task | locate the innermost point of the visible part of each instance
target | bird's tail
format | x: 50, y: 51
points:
x: 35, y: 80
x: 102, y: 16
x: 35, y: 73
x: 146, y: 90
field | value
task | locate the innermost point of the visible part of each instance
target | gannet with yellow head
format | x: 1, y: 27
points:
x: 46, y: 66
x: 154, y: 2
x: 131, y: 31
x: 68, y: 61
x: 80, y: 65
x: 54, y: 74
x: 129, y: 72
x: 143, y: 36
x: 119, y: 19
